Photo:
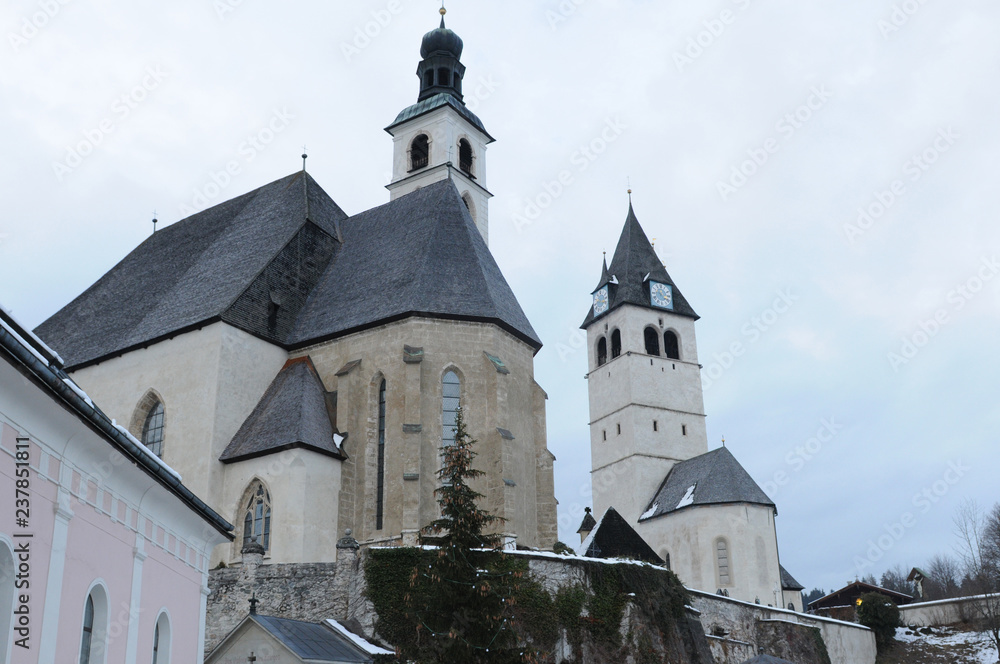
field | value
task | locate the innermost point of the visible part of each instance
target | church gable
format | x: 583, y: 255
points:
x: 270, y: 305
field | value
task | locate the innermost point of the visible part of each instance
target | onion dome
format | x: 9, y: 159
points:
x: 441, y: 41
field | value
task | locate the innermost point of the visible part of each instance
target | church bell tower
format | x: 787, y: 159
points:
x: 439, y: 138
x: 647, y: 409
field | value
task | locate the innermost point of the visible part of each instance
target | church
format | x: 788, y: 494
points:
x: 301, y: 367
x: 699, y: 510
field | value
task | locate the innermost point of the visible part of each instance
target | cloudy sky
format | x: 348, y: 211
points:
x: 839, y: 155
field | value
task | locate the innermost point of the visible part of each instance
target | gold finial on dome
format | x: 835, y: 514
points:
x: 443, y: 11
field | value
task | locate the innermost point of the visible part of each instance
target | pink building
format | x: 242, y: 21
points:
x: 103, y: 550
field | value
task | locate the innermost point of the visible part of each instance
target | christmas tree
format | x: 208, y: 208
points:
x: 461, y: 598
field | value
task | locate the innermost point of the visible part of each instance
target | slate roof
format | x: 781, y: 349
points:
x: 187, y: 273
x: 292, y: 413
x: 788, y: 581
x: 634, y: 259
x: 612, y: 537
x: 437, y: 101
x: 311, y: 641
x: 417, y: 255
x: 713, y: 478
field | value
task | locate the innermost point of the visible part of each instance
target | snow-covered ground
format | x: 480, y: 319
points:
x: 966, y: 647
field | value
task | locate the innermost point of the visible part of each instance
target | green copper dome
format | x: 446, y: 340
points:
x: 441, y: 40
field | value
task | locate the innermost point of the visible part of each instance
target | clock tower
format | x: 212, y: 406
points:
x: 647, y: 410
x: 439, y: 138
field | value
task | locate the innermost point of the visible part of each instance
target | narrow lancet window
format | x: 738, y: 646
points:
x: 380, y: 496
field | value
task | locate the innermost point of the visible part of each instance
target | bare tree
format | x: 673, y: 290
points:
x: 895, y: 579
x: 979, y: 543
x: 944, y: 577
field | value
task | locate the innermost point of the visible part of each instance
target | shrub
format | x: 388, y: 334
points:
x: 881, y: 615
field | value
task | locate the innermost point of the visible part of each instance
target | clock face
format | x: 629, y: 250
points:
x: 601, y: 301
x: 661, y: 295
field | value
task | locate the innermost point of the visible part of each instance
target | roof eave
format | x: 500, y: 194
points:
x: 46, y: 379
x: 709, y: 504
x: 236, y: 458
x: 535, y: 343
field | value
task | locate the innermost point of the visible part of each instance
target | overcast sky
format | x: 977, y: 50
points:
x: 752, y: 132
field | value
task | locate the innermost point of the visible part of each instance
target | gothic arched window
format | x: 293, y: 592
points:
x: 380, y: 490
x: 671, y: 345
x: 652, y: 339
x: 420, y: 152
x: 451, y: 392
x: 257, y: 517
x: 152, y: 430
x: 602, y: 351
x: 616, y: 344
x: 465, y: 157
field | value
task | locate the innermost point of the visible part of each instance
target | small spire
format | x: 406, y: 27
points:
x: 253, y: 604
x: 304, y: 157
x: 442, y: 11
x: 723, y: 441
x: 155, y: 220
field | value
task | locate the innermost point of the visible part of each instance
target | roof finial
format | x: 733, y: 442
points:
x: 443, y: 11
x: 629, y: 180
x: 723, y: 441
x: 304, y: 157
x: 154, y: 221
x: 253, y: 604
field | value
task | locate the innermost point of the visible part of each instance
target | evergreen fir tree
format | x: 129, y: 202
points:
x: 465, y: 597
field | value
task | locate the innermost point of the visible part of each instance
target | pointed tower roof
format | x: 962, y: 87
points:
x: 605, y: 276
x: 292, y: 413
x: 633, y: 266
x: 588, y: 522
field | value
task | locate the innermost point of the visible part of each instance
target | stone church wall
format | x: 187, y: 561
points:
x: 739, y: 629
x: 735, y: 630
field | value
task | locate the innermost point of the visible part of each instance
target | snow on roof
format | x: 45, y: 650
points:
x: 146, y: 451
x: 79, y: 392
x: 31, y: 335
x: 366, y: 647
x: 688, y: 499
